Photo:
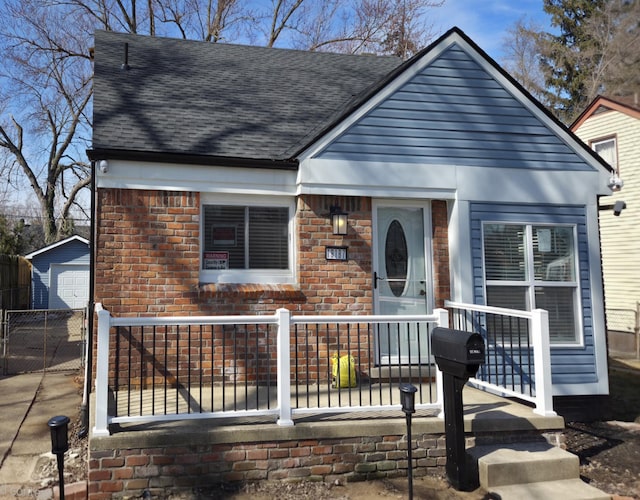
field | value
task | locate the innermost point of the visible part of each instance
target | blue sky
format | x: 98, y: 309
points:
x: 486, y: 21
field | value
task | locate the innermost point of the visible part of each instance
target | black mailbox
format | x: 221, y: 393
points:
x: 457, y: 353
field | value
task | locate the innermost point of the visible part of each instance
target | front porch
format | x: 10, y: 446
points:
x: 186, y: 402
x: 180, y: 455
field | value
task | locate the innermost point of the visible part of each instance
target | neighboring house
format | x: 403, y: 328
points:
x: 60, y: 275
x: 218, y: 168
x: 611, y: 126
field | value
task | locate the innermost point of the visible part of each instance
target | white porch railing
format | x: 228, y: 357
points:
x: 300, y: 389
x: 518, y: 357
x: 345, y: 332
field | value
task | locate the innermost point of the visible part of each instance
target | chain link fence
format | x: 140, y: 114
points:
x: 43, y: 340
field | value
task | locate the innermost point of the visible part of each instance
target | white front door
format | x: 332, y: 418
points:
x: 402, y: 284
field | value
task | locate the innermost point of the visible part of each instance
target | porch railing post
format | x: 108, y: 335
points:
x: 102, y: 372
x: 542, y: 362
x: 443, y: 321
x: 284, y: 366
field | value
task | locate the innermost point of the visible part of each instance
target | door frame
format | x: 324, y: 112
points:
x: 425, y: 205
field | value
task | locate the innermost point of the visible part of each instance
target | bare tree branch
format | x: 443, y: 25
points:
x: 46, y: 83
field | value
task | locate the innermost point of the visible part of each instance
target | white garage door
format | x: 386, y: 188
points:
x: 69, y: 286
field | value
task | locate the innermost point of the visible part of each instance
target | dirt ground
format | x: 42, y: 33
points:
x: 609, y: 452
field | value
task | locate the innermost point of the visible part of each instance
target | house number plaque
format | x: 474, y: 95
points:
x: 336, y: 253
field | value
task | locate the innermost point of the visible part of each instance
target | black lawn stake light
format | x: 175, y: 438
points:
x: 407, y: 397
x: 59, y: 445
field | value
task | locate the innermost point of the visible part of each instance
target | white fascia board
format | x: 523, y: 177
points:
x: 124, y: 174
x: 597, y: 295
x: 377, y: 179
x: 460, y: 252
x: 503, y: 185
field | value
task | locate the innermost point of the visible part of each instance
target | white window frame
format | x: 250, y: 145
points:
x: 531, y: 283
x: 605, y: 140
x: 249, y: 276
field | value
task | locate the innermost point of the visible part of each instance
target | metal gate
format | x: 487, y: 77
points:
x: 43, y: 340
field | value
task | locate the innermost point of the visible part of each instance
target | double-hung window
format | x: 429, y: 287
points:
x: 608, y: 150
x: 531, y: 266
x: 247, y: 242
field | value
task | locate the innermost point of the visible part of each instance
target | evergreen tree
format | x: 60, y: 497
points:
x: 563, y: 57
x: 595, y: 52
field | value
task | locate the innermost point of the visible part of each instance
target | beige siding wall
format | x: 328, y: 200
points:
x: 620, y: 235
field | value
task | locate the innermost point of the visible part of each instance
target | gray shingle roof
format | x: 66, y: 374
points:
x: 220, y: 100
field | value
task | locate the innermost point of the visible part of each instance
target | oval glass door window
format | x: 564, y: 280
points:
x: 396, y: 258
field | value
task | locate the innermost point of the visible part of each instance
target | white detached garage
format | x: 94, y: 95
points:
x: 60, y: 275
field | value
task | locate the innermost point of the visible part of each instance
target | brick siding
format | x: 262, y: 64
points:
x: 161, y: 470
x: 148, y: 263
x: 148, y: 259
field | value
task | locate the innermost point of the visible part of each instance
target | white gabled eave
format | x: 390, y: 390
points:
x: 455, y: 37
x: 57, y: 244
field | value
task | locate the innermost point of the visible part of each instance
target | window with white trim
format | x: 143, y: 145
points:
x: 607, y: 150
x: 531, y: 266
x: 246, y: 242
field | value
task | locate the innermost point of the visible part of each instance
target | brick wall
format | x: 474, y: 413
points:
x: 148, y: 258
x: 147, y: 252
x: 334, y: 287
x: 161, y: 470
x: 440, y: 242
x: 148, y: 262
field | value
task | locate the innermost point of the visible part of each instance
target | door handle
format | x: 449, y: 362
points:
x: 375, y: 279
x: 423, y: 293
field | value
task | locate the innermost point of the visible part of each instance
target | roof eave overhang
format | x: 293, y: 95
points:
x: 97, y: 154
x: 612, y: 104
x: 569, y: 136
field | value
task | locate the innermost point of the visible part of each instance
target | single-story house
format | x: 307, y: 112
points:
x: 611, y: 126
x: 236, y: 180
x: 60, y: 275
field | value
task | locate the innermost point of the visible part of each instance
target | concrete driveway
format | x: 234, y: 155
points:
x: 27, y: 402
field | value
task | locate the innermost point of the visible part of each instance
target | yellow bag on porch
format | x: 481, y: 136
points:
x: 343, y: 371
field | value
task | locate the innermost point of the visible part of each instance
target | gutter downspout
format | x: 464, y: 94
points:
x: 88, y: 368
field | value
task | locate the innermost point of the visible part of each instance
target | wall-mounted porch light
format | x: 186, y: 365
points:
x: 338, y: 220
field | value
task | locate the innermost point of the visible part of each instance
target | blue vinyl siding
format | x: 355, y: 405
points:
x: 453, y: 112
x: 570, y: 365
x: 73, y: 252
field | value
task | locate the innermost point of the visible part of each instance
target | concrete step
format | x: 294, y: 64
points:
x: 521, y: 463
x: 567, y: 489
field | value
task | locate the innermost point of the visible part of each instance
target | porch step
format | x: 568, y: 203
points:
x: 532, y: 471
x: 567, y: 489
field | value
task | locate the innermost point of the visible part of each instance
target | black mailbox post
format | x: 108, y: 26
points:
x: 458, y: 355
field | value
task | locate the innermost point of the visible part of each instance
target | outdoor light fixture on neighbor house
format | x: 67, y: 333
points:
x: 338, y: 220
